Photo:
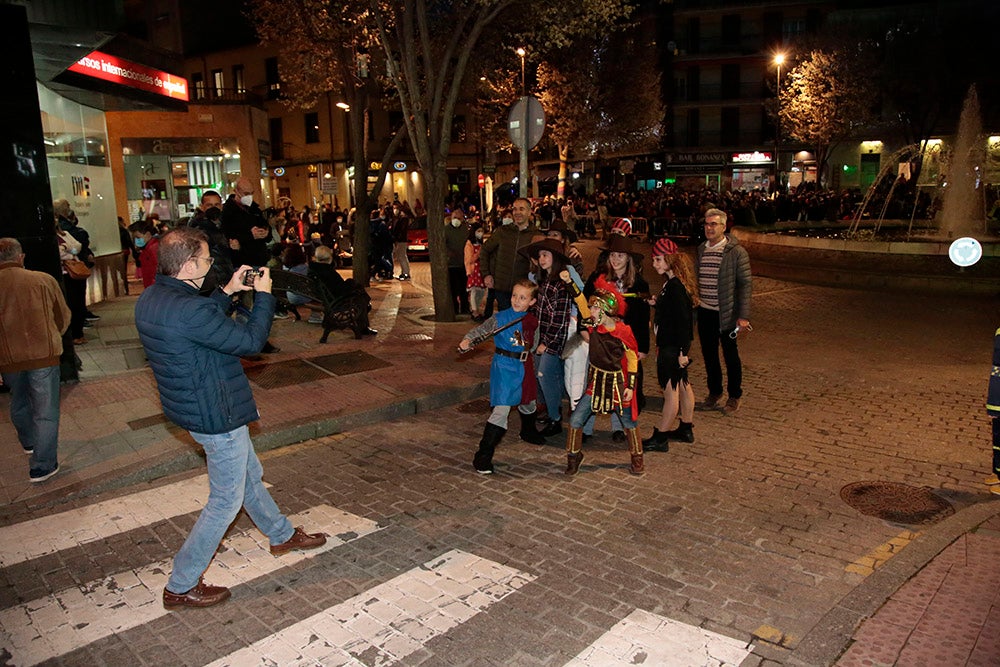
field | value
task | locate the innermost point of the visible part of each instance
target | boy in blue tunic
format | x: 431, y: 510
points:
x: 512, y: 377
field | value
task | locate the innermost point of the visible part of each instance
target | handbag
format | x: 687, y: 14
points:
x: 76, y: 269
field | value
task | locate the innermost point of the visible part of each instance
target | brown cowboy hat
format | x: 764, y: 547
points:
x: 618, y: 243
x: 552, y: 245
x: 567, y: 233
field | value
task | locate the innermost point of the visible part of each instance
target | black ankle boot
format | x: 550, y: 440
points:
x: 528, y: 431
x: 483, y: 460
x: 683, y: 433
x: 658, y: 442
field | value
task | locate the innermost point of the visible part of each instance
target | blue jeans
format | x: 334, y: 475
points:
x: 34, y: 411
x: 583, y: 413
x: 550, y: 383
x: 234, y: 480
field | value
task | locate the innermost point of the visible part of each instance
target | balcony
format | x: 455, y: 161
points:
x: 750, y: 92
x: 211, y: 95
x: 719, y: 141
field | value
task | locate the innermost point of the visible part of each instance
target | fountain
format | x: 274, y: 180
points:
x: 920, y: 264
x: 963, y: 206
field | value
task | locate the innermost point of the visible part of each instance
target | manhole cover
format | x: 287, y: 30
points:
x: 897, y: 503
x: 284, y: 374
x: 347, y: 363
x: 478, y: 406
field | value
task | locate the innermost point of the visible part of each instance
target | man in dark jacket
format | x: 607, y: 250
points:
x: 499, y: 260
x: 724, y: 288
x: 207, y: 220
x: 194, y: 349
x: 244, y: 225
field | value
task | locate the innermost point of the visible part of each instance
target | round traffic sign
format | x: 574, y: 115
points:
x: 527, y: 111
x: 965, y: 251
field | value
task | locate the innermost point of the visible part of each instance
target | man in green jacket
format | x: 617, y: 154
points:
x: 500, y: 262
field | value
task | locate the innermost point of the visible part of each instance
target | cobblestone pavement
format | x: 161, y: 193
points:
x: 740, y: 539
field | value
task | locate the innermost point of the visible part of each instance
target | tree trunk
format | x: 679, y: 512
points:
x: 434, y: 188
x: 563, y: 170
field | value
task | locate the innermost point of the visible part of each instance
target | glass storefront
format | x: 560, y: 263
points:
x: 76, y: 151
x: 168, y: 176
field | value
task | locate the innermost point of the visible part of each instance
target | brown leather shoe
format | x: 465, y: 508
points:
x: 300, y: 539
x: 202, y: 595
x: 711, y: 402
x: 732, y: 405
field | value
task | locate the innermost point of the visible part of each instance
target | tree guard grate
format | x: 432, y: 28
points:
x: 348, y: 363
x: 284, y: 374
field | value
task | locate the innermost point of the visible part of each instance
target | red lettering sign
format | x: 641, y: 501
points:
x: 123, y: 72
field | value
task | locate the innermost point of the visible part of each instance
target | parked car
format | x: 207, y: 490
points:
x: 416, y: 236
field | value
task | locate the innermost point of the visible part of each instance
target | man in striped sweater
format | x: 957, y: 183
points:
x: 724, y: 288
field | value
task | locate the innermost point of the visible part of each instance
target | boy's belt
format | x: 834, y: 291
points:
x: 520, y: 356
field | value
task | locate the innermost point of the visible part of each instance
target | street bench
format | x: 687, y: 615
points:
x: 344, y: 312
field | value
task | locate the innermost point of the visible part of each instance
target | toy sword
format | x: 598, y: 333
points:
x: 486, y: 336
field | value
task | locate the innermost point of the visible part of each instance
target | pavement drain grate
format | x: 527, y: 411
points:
x: 475, y: 407
x: 284, y: 374
x: 347, y: 363
x: 416, y: 337
x: 897, y: 503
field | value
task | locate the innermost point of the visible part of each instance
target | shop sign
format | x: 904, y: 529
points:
x: 755, y: 156
x: 695, y: 158
x: 133, y: 75
x: 279, y: 171
x: 178, y: 146
x: 399, y: 166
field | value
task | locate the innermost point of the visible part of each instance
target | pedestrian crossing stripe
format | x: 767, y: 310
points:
x: 61, y: 622
x: 390, y: 621
x: 21, y: 542
x: 644, y: 638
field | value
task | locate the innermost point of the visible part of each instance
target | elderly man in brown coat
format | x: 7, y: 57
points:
x: 33, y: 318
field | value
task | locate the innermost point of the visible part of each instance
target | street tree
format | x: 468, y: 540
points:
x: 825, y: 98
x: 326, y: 55
x: 425, y: 47
x: 601, y: 95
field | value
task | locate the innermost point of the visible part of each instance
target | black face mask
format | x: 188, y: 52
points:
x: 213, y: 214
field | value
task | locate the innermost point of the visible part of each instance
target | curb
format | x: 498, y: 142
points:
x: 829, y: 638
x: 146, y: 468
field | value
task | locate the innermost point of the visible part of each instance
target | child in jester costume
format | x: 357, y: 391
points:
x: 611, y: 373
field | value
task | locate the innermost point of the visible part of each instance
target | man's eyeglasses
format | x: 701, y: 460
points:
x: 714, y: 224
x: 210, y: 260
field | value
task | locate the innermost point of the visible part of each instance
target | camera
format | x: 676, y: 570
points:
x: 251, y: 275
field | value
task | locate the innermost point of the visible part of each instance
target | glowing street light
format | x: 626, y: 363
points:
x: 521, y: 52
x: 779, y: 60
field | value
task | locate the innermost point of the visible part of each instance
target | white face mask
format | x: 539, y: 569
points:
x: 456, y: 222
x: 507, y: 221
x: 479, y: 235
x: 246, y: 200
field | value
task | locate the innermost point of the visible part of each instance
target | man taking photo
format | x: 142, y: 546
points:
x: 194, y: 349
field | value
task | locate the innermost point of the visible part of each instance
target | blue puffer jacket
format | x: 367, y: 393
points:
x: 194, y: 349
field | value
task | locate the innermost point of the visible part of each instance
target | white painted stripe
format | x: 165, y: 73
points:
x: 21, y: 542
x: 50, y: 626
x: 642, y: 638
x: 391, y: 620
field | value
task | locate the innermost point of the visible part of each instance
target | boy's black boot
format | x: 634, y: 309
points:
x: 528, y: 431
x: 483, y: 460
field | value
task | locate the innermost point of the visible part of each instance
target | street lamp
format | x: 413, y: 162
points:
x: 523, y: 165
x: 779, y: 59
x: 521, y: 52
